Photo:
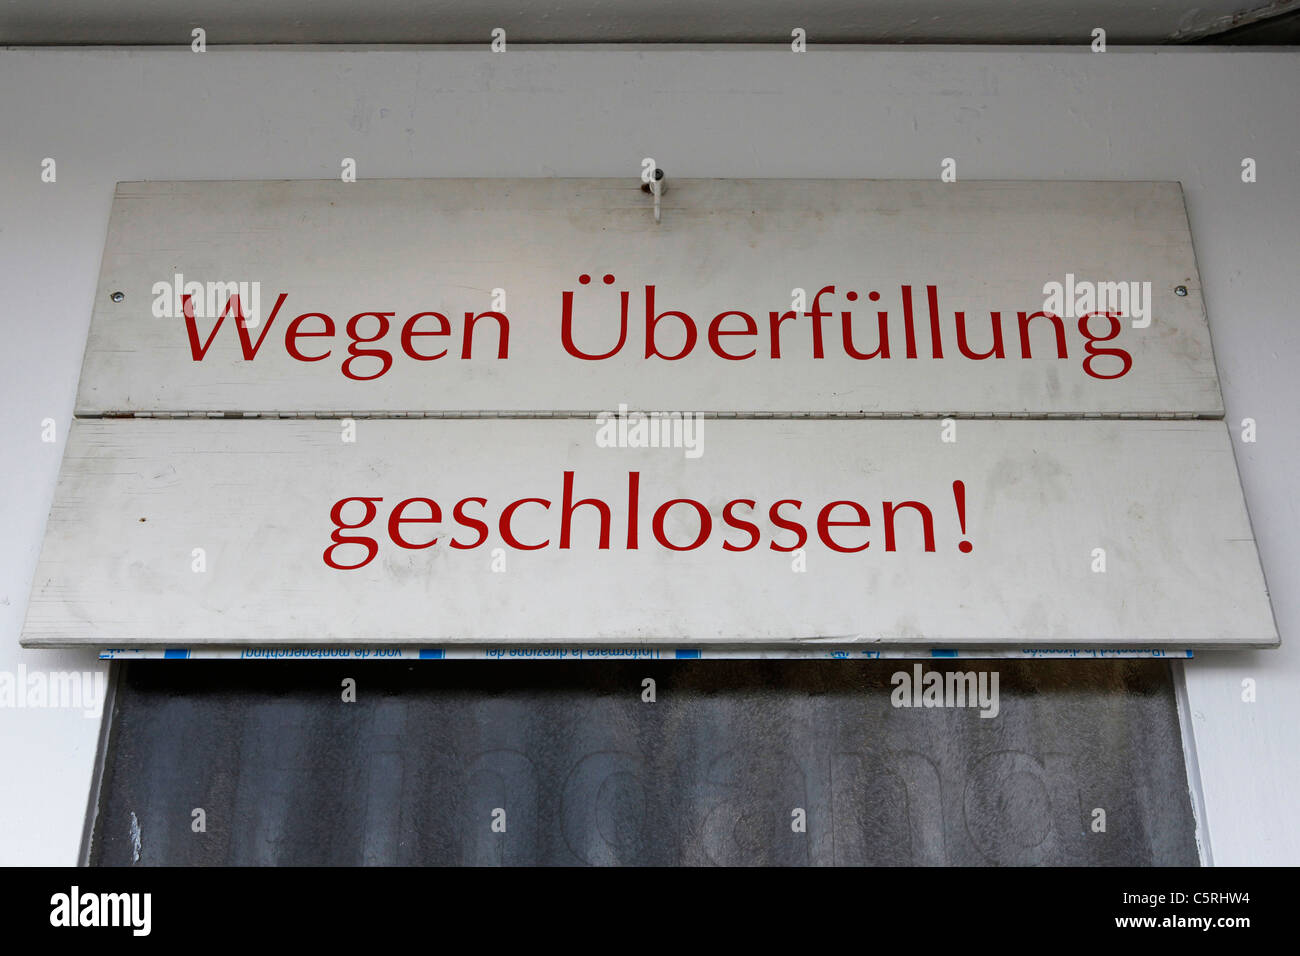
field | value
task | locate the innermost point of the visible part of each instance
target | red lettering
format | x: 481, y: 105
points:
x: 396, y: 518
x: 292, y: 333
x: 566, y: 328
x: 774, y: 322
x: 1025, y: 319
x: 507, y: 534
x: 740, y: 524
x: 706, y: 524
x: 503, y: 333
x: 1114, y: 325
x: 370, y: 544
x: 385, y: 357
x: 801, y: 533
x: 569, y: 506
x: 246, y: 343
x: 652, y: 323
x: 716, y: 332
x: 927, y: 522
x: 409, y: 332
x: 481, y: 527
x: 824, y: 525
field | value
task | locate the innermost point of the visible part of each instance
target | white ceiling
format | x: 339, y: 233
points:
x: 605, y: 21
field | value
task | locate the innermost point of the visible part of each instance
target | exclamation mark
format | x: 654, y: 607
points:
x: 959, y: 497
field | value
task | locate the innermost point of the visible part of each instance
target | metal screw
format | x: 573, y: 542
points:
x: 1180, y: 290
x: 117, y: 296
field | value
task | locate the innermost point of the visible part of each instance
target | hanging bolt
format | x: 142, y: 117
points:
x: 1180, y: 290
x: 117, y: 296
x: 656, y: 188
x: 659, y: 178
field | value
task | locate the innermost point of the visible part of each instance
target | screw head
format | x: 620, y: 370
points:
x: 658, y: 175
x: 118, y: 296
x: 1180, y: 290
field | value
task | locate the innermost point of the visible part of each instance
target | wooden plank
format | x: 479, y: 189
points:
x: 413, y: 246
x: 137, y: 497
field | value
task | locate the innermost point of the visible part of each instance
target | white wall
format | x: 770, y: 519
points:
x: 617, y: 21
x: 1183, y: 114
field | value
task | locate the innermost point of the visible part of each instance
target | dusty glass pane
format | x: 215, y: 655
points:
x: 720, y: 768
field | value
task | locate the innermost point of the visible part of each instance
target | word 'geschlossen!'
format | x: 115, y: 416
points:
x: 363, y: 524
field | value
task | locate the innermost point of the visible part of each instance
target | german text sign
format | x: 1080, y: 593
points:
x: 434, y: 531
x: 784, y: 413
x: 760, y: 296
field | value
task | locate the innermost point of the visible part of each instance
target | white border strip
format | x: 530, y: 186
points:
x: 540, y: 652
x: 1195, y: 790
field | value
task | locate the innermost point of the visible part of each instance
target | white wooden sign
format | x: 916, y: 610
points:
x: 761, y: 296
x: 415, y: 382
x: 838, y: 532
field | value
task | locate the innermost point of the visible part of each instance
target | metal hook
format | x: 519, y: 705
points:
x: 656, y: 187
